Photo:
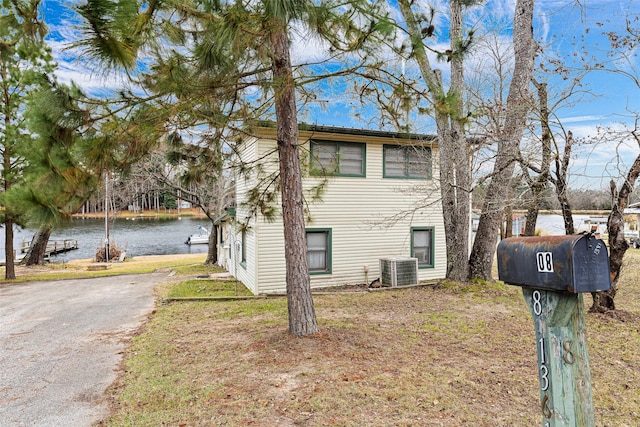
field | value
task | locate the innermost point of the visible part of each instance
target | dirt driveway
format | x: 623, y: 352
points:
x: 61, y: 343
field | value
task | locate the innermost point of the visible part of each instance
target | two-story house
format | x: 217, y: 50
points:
x: 380, y: 199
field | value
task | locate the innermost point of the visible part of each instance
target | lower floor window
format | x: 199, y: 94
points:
x: 319, y: 250
x: 422, y: 245
x: 243, y: 243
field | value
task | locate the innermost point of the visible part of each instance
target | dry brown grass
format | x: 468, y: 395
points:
x: 451, y: 356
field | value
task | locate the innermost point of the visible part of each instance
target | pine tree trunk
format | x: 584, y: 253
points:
x: 518, y: 105
x: 302, y: 317
x: 10, y: 269
x: 38, y: 248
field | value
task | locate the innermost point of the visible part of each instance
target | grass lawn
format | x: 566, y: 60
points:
x: 445, y: 356
x: 449, y: 356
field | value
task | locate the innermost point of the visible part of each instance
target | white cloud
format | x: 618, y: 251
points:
x: 581, y: 119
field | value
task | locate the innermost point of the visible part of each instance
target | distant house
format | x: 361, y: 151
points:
x: 632, y: 224
x: 381, y: 201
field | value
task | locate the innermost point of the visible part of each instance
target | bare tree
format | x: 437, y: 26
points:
x: 538, y: 185
x: 518, y: 106
x: 561, y: 186
x: 618, y: 245
x: 187, y: 171
x: 450, y: 117
x: 619, y: 59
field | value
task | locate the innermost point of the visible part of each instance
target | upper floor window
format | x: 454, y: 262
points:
x: 407, y: 161
x: 337, y: 158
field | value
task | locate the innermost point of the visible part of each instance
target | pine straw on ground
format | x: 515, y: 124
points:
x: 424, y: 356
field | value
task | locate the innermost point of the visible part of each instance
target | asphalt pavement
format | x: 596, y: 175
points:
x: 61, y: 343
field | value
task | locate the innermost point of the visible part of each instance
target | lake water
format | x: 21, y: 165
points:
x: 553, y: 225
x: 139, y: 236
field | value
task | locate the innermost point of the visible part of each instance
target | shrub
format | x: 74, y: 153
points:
x: 114, y: 253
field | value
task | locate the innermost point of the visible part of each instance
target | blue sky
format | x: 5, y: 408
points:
x: 609, y: 99
x: 612, y: 99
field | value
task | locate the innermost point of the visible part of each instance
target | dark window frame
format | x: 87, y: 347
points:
x: 328, y: 257
x: 243, y: 249
x: 407, y: 161
x: 316, y: 170
x: 431, y: 246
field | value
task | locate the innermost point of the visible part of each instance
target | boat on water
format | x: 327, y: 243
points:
x: 199, y: 238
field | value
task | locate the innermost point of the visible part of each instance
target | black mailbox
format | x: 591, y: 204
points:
x: 574, y: 263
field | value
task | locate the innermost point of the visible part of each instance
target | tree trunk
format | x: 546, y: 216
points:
x: 518, y: 103
x: 456, y: 207
x: 605, y: 301
x: 212, y: 252
x: 508, y: 221
x: 561, y: 185
x: 567, y: 213
x: 455, y: 168
x: 9, y: 272
x: 538, y: 185
x: 458, y: 181
x: 532, y: 219
x: 302, y: 317
x: 10, y: 269
x: 38, y: 248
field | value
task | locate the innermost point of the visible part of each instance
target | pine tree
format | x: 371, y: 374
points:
x: 221, y: 50
x: 57, y: 179
x: 25, y: 60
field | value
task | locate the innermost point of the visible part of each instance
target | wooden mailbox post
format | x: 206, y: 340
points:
x: 554, y: 272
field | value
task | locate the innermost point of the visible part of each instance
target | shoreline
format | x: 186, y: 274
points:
x: 138, y: 258
x: 166, y: 213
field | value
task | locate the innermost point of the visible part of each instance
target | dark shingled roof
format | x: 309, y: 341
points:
x: 354, y: 131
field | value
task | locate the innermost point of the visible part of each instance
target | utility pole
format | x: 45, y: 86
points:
x: 106, y: 216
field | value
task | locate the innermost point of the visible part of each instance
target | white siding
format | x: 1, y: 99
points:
x: 245, y: 272
x: 369, y: 218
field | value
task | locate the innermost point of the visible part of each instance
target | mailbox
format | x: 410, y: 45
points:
x: 574, y: 263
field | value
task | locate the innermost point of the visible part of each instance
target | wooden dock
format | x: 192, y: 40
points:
x: 54, y: 247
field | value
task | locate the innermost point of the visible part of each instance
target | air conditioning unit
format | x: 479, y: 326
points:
x: 398, y: 271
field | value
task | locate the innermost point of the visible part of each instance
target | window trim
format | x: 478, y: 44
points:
x: 407, y: 161
x: 433, y: 260
x: 328, y: 258
x: 338, y: 144
x: 243, y: 250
